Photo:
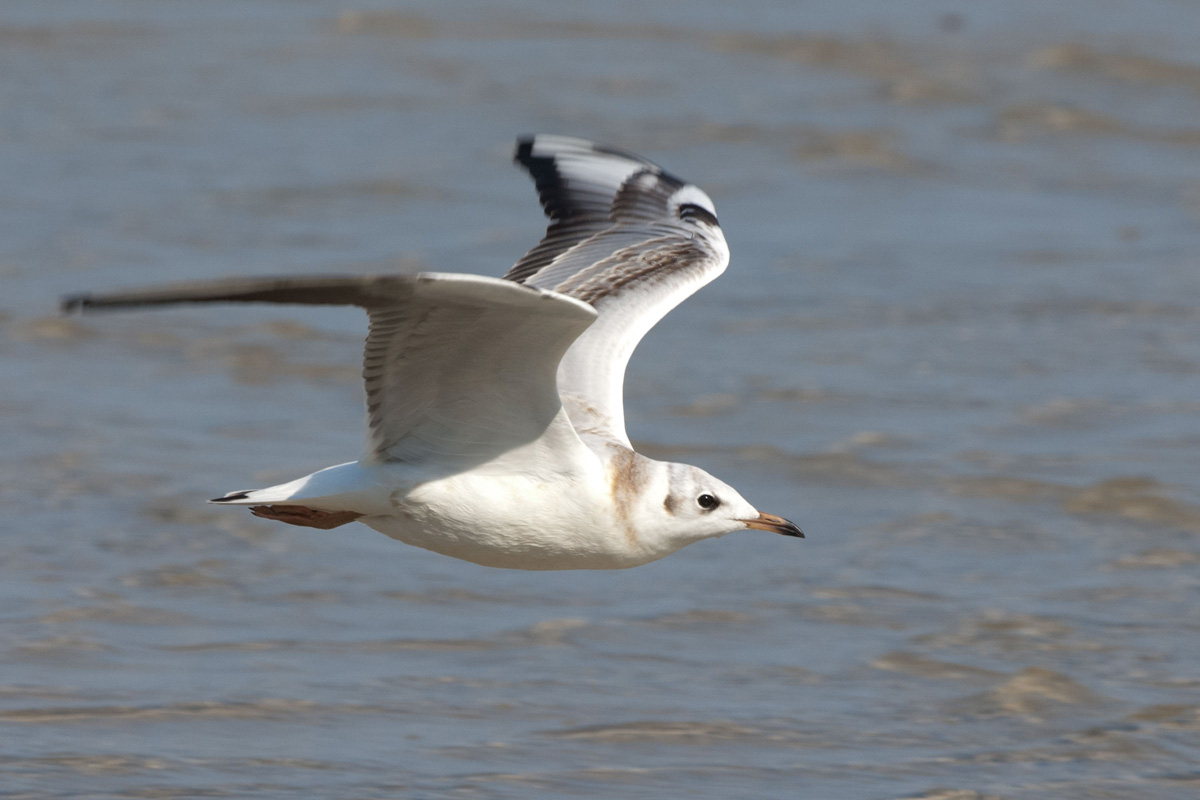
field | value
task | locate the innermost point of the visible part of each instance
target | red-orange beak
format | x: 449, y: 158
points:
x: 774, y: 524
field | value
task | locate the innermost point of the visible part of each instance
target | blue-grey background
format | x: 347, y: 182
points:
x: 958, y: 343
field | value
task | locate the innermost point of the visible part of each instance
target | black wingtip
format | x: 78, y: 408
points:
x: 697, y: 212
x: 231, y: 496
x: 72, y: 303
x: 524, y: 150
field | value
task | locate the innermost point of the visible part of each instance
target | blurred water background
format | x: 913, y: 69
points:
x: 959, y: 344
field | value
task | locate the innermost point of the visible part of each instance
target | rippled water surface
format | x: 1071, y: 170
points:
x: 959, y: 344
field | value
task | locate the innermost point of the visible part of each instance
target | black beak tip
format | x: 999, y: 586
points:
x: 774, y: 524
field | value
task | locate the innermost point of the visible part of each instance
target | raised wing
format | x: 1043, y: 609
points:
x: 458, y: 368
x: 626, y: 237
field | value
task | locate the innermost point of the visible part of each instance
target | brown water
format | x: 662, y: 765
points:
x: 959, y: 344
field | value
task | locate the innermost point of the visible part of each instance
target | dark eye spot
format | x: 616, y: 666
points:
x: 707, y: 502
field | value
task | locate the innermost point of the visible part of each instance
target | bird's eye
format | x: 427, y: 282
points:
x: 707, y: 502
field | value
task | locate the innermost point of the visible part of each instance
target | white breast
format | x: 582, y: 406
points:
x: 517, y: 521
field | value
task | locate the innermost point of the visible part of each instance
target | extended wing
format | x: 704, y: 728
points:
x: 458, y: 368
x: 629, y: 239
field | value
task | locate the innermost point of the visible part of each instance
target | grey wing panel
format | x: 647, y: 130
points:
x: 326, y: 290
x: 585, y: 188
x: 629, y: 239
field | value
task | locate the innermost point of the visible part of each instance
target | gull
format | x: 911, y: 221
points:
x: 495, y: 421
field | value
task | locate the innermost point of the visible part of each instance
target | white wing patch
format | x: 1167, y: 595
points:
x: 464, y: 369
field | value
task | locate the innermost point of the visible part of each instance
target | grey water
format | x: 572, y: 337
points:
x: 958, y: 343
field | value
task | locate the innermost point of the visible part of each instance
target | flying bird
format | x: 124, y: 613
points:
x: 495, y: 422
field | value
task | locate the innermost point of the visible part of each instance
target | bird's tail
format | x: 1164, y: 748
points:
x: 345, y: 487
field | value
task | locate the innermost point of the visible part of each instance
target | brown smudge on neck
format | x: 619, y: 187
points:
x: 625, y: 469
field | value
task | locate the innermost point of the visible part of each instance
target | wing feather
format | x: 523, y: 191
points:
x: 456, y: 367
x: 626, y: 237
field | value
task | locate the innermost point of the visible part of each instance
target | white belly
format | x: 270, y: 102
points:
x: 515, y: 522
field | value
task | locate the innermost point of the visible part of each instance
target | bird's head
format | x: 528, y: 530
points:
x: 680, y: 504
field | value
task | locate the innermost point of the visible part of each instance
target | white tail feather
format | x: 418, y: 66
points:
x: 345, y: 487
